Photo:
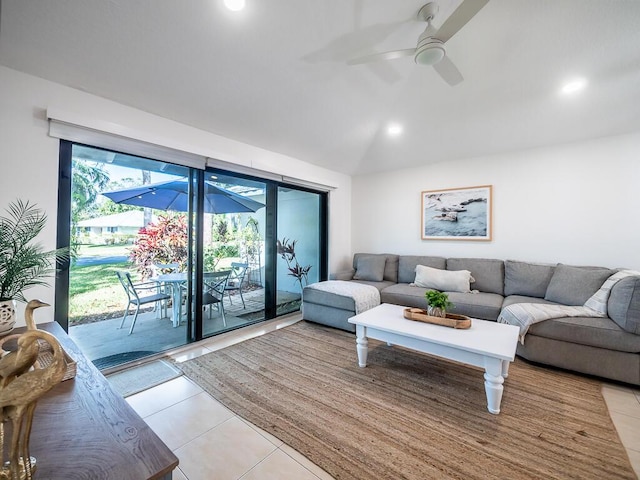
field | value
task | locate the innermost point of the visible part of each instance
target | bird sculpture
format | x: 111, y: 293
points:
x: 28, y: 313
x: 18, y: 401
x: 10, y: 365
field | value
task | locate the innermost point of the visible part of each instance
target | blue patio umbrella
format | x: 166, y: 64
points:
x: 173, y: 195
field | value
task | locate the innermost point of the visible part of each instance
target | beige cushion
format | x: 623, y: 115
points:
x: 443, y: 280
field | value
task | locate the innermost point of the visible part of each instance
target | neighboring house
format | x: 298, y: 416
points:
x: 109, y: 228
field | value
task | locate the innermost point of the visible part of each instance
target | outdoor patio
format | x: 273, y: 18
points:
x: 107, y: 345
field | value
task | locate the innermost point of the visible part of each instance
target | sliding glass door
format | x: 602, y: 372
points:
x: 164, y: 254
x: 129, y: 236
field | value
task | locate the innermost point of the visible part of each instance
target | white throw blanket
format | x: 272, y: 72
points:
x: 523, y: 315
x: 364, y: 296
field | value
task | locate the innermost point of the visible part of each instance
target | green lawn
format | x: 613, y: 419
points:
x: 95, y: 292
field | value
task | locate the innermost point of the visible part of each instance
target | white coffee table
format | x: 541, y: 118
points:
x: 489, y: 345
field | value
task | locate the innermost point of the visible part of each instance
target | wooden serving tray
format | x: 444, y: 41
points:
x: 452, y: 320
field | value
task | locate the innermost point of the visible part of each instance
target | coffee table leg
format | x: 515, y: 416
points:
x: 505, y: 368
x: 362, y: 345
x: 493, y: 381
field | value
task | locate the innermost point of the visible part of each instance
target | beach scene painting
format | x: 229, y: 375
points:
x: 457, y: 214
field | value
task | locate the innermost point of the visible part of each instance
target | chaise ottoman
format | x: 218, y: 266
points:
x: 333, y: 302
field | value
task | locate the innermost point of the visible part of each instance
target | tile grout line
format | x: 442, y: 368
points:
x: 303, y: 466
x: 203, y: 433
x: 257, y: 464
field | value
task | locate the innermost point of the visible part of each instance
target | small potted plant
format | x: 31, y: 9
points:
x: 437, y: 303
x: 23, y: 264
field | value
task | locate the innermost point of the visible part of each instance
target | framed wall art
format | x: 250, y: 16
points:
x: 457, y: 214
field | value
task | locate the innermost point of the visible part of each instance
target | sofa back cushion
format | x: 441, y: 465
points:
x: 488, y: 273
x: 571, y: 285
x: 390, y: 273
x: 407, y: 266
x: 528, y: 279
x: 624, y: 304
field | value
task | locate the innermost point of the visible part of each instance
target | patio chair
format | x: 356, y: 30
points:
x: 160, y: 268
x: 214, y: 284
x: 137, y: 294
x: 236, y: 280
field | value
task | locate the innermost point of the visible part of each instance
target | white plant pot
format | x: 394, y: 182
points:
x: 436, y: 312
x: 7, y: 316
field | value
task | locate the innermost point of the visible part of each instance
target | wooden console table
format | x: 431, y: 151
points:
x: 83, y: 429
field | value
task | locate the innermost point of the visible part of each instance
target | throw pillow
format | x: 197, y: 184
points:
x: 443, y: 280
x: 575, y: 285
x: 370, y: 268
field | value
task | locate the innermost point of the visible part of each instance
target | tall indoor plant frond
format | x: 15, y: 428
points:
x: 24, y: 264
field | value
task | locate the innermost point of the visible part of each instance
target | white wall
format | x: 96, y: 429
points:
x: 576, y: 204
x: 29, y: 157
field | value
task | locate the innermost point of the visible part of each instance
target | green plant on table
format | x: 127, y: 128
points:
x: 437, y: 303
x: 24, y: 264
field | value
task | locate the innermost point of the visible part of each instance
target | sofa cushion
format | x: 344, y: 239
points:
x: 485, y: 306
x: 390, y: 267
x: 511, y: 299
x: 370, y: 268
x: 489, y: 273
x: 379, y: 285
x: 571, y: 285
x: 592, y: 331
x: 312, y: 295
x: 404, y: 294
x: 624, y: 304
x: 443, y: 280
x: 407, y: 266
x: 528, y: 279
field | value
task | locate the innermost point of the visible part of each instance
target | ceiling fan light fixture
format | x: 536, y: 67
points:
x: 430, y: 52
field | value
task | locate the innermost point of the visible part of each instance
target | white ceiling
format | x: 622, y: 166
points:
x: 275, y: 74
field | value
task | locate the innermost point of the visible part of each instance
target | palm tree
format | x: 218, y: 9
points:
x: 87, y: 181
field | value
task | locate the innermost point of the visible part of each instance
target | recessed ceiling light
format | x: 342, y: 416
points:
x: 213, y: 177
x: 574, y: 86
x: 234, y: 5
x: 394, y: 129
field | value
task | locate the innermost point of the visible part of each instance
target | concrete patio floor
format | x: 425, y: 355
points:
x: 107, y: 345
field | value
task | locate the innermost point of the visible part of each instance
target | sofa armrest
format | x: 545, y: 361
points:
x: 345, y: 275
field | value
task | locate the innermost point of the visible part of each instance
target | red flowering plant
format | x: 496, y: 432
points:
x: 287, y: 250
x: 163, y: 241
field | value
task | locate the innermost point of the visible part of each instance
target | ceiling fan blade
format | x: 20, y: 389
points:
x: 458, y: 19
x: 375, y: 57
x: 448, y: 71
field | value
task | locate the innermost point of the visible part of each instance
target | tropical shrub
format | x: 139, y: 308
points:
x: 163, y: 241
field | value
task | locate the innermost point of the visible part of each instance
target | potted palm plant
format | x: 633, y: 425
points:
x: 437, y: 303
x: 23, y: 263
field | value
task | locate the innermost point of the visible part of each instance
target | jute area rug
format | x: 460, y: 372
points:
x: 411, y: 416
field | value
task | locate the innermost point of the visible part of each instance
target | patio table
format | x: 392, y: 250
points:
x: 174, y: 280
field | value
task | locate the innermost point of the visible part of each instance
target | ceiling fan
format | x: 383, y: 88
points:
x: 430, y: 49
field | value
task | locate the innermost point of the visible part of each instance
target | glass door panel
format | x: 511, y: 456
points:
x: 233, y: 243
x: 129, y: 238
x: 298, y: 246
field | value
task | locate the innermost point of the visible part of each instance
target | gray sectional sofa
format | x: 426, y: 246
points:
x: 605, y: 347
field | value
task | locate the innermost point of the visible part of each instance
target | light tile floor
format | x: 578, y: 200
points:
x: 211, y: 442
x: 214, y: 443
